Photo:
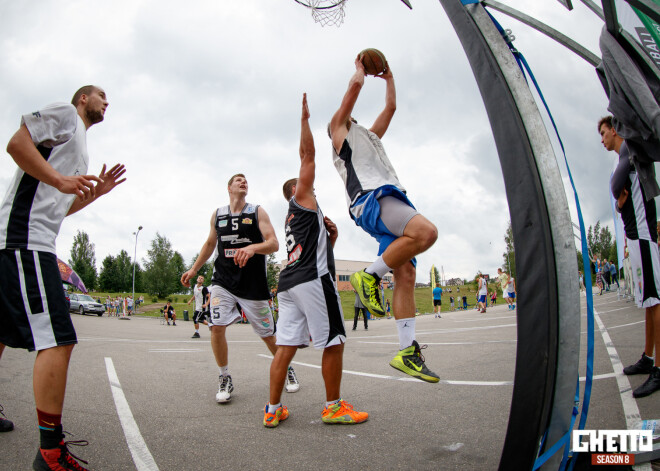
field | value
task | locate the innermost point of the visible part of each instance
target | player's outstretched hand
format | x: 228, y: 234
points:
x: 305, y: 108
x: 110, y: 179
x: 186, y: 277
x: 80, y: 185
x: 358, y: 64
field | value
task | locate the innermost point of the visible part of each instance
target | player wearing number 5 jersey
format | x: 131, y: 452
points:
x: 243, y: 235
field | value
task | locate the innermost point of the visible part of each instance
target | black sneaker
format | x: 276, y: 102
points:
x: 59, y: 458
x: 196, y: 335
x: 643, y: 366
x: 651, y: 385
x: 410, y: 361
x: 6, y: 425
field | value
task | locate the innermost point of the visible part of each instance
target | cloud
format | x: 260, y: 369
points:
x: 201, y: 91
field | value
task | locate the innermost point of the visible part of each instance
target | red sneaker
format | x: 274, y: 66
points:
x: 59, y: 459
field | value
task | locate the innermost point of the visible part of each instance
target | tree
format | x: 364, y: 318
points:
x: 437, y: 276
x: 117, y: 274
x: 158, y: 273
x: 83, y: 259
x: 109, y: 278
x: 509, y: 256
x: 178, y: 267
x: 272, y: 271
x: 600, y: 241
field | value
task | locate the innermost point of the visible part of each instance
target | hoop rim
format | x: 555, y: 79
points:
x: 327, y: 7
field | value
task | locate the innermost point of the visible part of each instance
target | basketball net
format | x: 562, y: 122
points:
x: 328, y: 12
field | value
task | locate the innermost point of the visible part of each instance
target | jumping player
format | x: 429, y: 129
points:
x: 378, y: 204
x: 50, y: 149
x: 308, y: 297
x: 201, y: 296
x: 243, y: 235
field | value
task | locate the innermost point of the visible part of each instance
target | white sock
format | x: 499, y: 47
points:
x: 406, y: 328
x: 329, y: 403
x: 224, y: 370
x: 197, y: 331
x: 650, y: 358
x: 378, y: 268
x: 273, y: 408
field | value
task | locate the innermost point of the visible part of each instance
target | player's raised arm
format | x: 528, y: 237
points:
x: 305, y: 183
x: 338, y: 129
x: 385, y: 117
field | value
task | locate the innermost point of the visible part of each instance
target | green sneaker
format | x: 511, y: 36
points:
x: 367, y: 288
x: 411, y: 362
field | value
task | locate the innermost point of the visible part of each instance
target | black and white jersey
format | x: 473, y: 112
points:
x: 236, y: 231
x: 363, y: 164
x: 200, y: 293
x: 32, y: 211
x: 639, y: 215
x: 308, y: 247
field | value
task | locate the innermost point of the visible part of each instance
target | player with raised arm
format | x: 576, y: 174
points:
x: 378, y: 203
x: 308, y: 298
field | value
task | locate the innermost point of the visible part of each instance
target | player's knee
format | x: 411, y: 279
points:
x: 427, y: 236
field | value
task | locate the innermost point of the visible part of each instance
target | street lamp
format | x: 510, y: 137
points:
x: 134, y: 257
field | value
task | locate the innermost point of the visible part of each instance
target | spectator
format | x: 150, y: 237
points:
x: 169, y: 313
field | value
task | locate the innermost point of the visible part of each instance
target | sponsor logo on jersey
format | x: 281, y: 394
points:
x: 241, y: 241
x: 215, y: 302
x: 246, y: 221
x: 36, y: 114
x: 289, y: 218
x: 295, y: 255
x: 227, y: 238
x: 222, y: 223
x: 229, y: 253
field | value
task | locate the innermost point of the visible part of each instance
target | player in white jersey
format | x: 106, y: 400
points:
x: 639, y: 223
x: 308, y: 297
x: 481, y: 293
x: 201, y: 296
x: 379, y: 205
x: 50, y: 150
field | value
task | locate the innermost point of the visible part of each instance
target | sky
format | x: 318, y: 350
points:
x: 203, y: 90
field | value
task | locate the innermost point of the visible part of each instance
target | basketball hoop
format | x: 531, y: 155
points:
x: 326, y: 12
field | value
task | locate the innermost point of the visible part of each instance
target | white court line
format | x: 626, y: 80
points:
x: 483, y: 319
x: 630, y: 409
x: 406, y: 378
x: 612, y: 310
x: 112, y: 339
x: 136, y: 444
x: 439, y: 331
x: 626, y: 325
x: 445, y: 343
x: 173, y: 350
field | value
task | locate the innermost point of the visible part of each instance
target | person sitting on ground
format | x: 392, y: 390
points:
x: 169, y: 313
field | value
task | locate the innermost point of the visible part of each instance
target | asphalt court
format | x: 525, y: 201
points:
x: 143, y: 395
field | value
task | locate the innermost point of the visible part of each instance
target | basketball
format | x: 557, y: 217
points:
x: 374, y: 61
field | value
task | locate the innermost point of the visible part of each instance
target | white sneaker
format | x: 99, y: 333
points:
x: 225, y: 389
x: 292, y: 384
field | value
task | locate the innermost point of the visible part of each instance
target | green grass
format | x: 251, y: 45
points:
x: 423, y: 301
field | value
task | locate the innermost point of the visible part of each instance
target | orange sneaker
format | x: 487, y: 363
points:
x: 273, y: 420
x: 342, y: 413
